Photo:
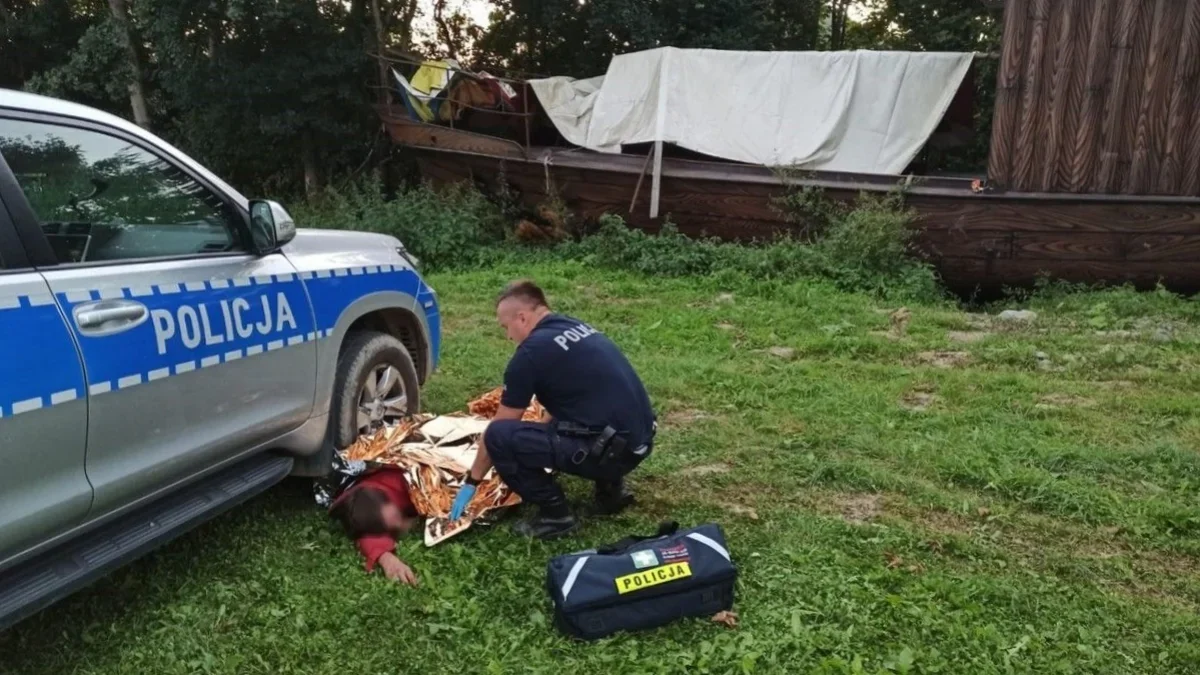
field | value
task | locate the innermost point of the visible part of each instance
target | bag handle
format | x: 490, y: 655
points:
x: 665, y: 529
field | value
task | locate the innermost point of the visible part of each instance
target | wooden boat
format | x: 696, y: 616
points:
x: 1090, y: 179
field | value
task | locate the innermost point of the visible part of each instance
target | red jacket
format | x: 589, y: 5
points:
x: 391, y: 481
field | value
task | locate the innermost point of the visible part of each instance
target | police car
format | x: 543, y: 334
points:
x: 169, y: 348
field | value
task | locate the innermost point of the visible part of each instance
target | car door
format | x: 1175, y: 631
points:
x: 194, y: 349
x: 44, y: 490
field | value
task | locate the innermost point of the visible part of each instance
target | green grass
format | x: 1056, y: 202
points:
x: 1023, y: 518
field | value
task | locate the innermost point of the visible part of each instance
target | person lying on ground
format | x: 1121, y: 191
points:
x: 375, y: 512
x: 601, y: 423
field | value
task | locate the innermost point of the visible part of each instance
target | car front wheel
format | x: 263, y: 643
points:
x: 376, y: 385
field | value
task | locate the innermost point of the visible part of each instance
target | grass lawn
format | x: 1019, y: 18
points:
x: 944, y: 502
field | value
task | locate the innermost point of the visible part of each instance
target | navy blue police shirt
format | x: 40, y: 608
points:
x: 580, y: 376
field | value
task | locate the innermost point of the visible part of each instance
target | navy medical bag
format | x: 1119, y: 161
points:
x: 642, y: 582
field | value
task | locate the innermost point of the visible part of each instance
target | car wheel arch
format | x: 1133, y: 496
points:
x: 393, y: 313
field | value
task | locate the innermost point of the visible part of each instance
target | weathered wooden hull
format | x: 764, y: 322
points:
x: 975, y: 239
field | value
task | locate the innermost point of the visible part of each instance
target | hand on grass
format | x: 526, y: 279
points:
x: 395, y: 569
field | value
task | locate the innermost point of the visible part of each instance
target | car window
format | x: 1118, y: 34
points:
x: 101, y: 198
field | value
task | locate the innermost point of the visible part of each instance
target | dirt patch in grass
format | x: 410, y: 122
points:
x: 978, y: 321
x: 684, y: 417
x: 858, y: 507
x: 1056, y: 401
x: 1033, y: 536
x: 785, y: 353
x: 919, y: 401
x: 740, y: 510
x: 725, y: 325
x: 704, y: 470
x: 944, y: 359
x: 967, y: 336
x: 941, y: 522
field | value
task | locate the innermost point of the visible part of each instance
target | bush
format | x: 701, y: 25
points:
x: 668, y: 253
x: 863, y: 248
x: 859, y: 247
x: 869, y: 248
x: 451, y: 228
x: 1106, y: 307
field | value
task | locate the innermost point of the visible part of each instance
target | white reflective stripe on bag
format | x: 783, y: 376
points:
x: 708, y: 541
x: 572, y: 576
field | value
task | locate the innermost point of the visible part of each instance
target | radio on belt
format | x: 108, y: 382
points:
x: 642, y: 582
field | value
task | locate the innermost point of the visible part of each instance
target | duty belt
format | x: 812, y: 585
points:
x: 609, y: 444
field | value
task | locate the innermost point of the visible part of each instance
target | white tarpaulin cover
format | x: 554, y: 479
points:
x: 568, y: 102
x: 860, y: 111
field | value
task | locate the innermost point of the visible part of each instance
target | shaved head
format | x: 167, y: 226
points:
x: 525, y: 291
x: 519, y: 308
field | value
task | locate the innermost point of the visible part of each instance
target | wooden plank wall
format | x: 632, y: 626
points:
x: 1098, y: 96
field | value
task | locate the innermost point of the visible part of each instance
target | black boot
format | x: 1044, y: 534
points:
x: 547, y: 524
x: 612, y: 497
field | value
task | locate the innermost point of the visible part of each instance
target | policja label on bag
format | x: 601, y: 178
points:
x: 653, y: 577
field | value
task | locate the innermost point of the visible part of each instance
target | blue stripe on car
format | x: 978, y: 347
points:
x: 226, y: 321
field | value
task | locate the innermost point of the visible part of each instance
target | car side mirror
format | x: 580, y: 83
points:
x: 270, y: 226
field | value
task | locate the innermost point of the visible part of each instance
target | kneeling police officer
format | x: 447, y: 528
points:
x: 600, y: 425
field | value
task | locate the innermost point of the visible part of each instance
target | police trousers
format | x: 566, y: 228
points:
x: 522, y: 451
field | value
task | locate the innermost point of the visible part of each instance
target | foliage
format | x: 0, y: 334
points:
x: 869, y: 248
x: 109, y: 182
x: 861, y: 247
x: 865, y: 247
x: 271, y: 95
x: 276, y: 96
x: 97, y: 51
x: 1119, y: 307
x: 447, y: 229
x: 40, y: 35
x: 886, y: 515
x: 289, y: 77
x: 806, y: 207
x: 567, y: 37
x: 941, y: 25
x: 925, y: 25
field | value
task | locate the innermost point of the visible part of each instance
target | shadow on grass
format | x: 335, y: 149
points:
x: 140, y: 595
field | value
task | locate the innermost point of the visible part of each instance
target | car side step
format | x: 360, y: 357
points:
x: 37, y: 583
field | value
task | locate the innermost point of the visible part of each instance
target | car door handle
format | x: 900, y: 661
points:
x: 109, y: 316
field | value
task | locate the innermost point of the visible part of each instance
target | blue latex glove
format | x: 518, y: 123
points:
x: 465, y: 493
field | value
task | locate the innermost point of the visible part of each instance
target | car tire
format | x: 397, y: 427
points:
x: 365, y: 356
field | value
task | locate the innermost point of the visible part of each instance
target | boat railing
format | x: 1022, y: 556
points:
x: 653, y: 160
x: 526, y: 113
x: 516, y: 78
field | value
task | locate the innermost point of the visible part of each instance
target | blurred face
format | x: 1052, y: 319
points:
x: 518, y: 318
x: 395, y: 520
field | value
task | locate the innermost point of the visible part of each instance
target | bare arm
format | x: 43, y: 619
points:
x: 396, y: 569
x: 483, y: 463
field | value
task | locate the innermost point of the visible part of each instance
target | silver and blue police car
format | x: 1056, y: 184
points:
x: 169, y: 348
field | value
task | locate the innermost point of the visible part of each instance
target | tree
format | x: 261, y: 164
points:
x: 925, y: 25
x: 283, y: 88
x: 566, y: 37
x: 942, y: 25
x: 838, y: 17
x: 276, y: 95
x: 38, y: 36
x: 133, y: 53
